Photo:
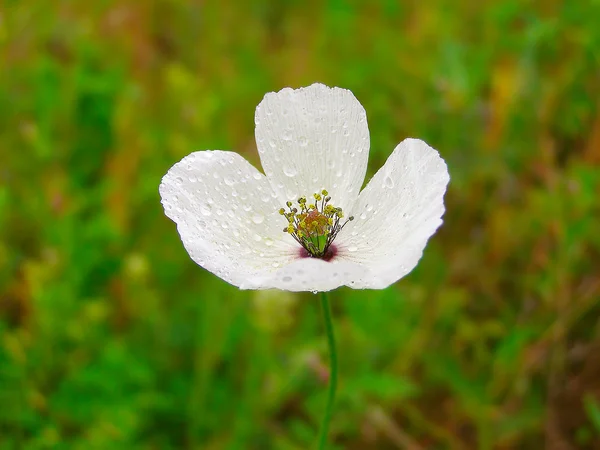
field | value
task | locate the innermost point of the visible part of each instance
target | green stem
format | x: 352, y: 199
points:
x: 332, y: 373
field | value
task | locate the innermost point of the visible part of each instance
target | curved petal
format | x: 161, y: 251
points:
x: 311, y: 139
x: 312, y: 274
x: 226, y: 215
x: 396, y: 213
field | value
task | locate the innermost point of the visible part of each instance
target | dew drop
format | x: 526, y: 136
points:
x: 289, y: 171
x: 179, y: 181
x: 268, y: 242
x: 257, y: 238
x: 258, y: 218
x: 363, y: 216
x: 352, y: 248
x: 302, y: 141
x: 388, y: 182
x: 287, y: 279
x: 205, y: 210
x: 229, y: 181
x: 257, y: 176
x: 275, y: 264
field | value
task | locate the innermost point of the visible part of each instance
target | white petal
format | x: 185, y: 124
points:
x: 226, y: 215
x: 396, y: 214
x: 312, y: 274
x: 311, y: 139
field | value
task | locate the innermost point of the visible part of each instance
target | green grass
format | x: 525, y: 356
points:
x: 112, y: 338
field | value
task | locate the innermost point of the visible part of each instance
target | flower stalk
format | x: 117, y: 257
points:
x: 324, y: 431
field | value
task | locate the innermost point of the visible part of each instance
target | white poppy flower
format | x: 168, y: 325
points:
x: 305, y: 225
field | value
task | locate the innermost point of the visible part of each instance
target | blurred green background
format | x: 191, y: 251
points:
x: 112, y: 338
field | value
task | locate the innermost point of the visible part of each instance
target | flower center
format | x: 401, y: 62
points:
x: 314, y: 226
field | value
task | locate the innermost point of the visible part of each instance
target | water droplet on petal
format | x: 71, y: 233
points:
x: 258, y: 218
x: 388, y: 182
x: 268, y: 242
x: 257, y: 176
x: 290, y: 171
x: 257, y: 238
x: 287, y: 279
x: 178, y: 181
x: 352, y: 248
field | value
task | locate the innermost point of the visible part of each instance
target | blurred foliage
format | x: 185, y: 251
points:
x: 112, y: 338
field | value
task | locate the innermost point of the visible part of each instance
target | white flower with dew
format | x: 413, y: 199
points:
x: 305, y: 225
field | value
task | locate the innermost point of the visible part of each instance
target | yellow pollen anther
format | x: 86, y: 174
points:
x: 314, y: 226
